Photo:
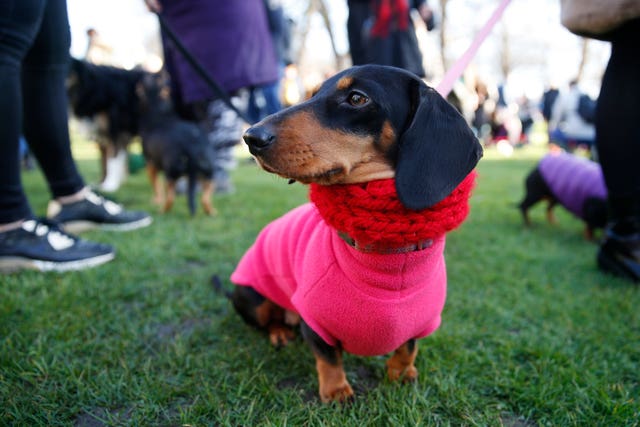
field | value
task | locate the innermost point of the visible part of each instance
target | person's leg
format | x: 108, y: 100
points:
x: 24, y: 241
x: 34, y: 53
x: 19, y: 23
x: 224, y: 129
x: 256, y: 105
x: 44, y: 71
x: 271, y: 93
x: 359, y: 12
x: 618, y: 145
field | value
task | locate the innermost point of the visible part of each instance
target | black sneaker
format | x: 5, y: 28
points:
x: 95, y: 211
x: 41, y: 245
x: 619, y: 254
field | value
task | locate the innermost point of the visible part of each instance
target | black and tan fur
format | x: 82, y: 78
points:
x: 174, y: 147
x: 365, y: 123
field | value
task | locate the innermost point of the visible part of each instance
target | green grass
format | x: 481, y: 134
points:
x: 532, y: 333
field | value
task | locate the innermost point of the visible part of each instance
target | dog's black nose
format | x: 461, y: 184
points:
x: 258, y: 138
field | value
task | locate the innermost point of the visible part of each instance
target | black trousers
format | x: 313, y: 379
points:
x: 618, y: 122
x: 34, y: 58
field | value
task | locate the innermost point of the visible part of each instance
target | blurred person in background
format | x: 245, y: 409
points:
x: 382, y: 32
x: 34, y: 58
x: 568, y: 128
x: 266, y: 99
x: 617, y: 124
x: 231, y: 40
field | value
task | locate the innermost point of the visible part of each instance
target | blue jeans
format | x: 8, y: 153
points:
x: 269, y: 94
x: 34, y: 57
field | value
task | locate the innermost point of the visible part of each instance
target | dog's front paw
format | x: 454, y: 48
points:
x: 210, y: 211
x: 401, y: 364
x: 337, y: 392
x: 408, y: 374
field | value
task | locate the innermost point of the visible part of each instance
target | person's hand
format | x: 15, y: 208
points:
x: 154, y: 5
x: 426, y: 13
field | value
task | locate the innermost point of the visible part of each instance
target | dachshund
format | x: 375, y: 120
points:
x: 363, y: 128
x: 575, y: 183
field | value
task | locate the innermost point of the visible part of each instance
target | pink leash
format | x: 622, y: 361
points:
x: 456, y: 71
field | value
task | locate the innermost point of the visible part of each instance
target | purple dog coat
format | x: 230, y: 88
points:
x: 572, y: 180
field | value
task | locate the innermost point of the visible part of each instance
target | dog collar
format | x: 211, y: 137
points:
x: 374, y: 248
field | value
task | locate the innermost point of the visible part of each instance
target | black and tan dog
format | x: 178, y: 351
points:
x: 571, y: 181
x: 366, y: 126
x: 173, y: 146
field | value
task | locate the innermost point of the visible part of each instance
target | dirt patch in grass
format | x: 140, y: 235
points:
x: 100, y: 417
x: 511, y: 420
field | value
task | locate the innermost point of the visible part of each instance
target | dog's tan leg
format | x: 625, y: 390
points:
x: 271, y: 317
x: 208, y: 188
x: 332, y: 379
x: 264, y: 314
x: 588, y: 233
x: 401, y: 364
x: 156, y: 184
x: 550, y: 216
x: 170, y: 196
x: 103, y: 161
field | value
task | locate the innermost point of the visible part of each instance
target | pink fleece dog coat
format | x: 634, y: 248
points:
x: 370, y: 303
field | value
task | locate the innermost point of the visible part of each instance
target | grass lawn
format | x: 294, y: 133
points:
x: 532, y: 334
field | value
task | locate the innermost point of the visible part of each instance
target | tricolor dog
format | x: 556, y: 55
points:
x: 361, y: 268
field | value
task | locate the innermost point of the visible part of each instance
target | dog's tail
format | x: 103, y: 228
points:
x: 218, y: 287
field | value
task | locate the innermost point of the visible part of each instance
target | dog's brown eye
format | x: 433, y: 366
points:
x: 357, y: 99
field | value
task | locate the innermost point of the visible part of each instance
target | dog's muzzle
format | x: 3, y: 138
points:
x: 259, y: 138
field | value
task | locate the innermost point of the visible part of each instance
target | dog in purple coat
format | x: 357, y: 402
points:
x: 575, y: 183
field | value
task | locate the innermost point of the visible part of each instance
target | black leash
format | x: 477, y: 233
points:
x: 199, y: 69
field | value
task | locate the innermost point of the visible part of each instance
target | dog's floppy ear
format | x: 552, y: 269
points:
x: 435, y: 152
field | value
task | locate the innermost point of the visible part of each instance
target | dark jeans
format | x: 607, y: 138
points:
x: 34, y: 57
x: 359, y: 12
x: 618, y: 120
x: 269, y: 94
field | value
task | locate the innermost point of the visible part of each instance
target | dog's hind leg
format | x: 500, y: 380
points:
x: 401, y: 364
x: 156, y: 184
x: 263, y: 313
x: 104, y: 155
x: 170, y: 196
x: 550, y: 216
x: 208, y: 188
x: 332, y: 379
x: 588, y: 233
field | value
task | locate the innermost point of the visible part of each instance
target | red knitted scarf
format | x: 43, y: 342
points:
x: 371, y: 213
